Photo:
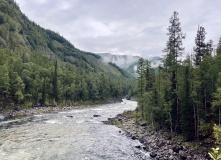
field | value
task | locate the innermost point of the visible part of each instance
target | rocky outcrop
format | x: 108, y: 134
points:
x: 158, y: 145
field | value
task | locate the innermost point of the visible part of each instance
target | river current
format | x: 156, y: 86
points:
x: 71, y: 135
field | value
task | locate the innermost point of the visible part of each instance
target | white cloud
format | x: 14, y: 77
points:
x: 87, y: 27
x: 124, y: 27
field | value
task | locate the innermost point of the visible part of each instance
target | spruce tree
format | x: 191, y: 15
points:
x: 55, y: 82
x: 209, y: 47
x: 140, y: 72
x: 43, y: 98
x: 141, y: 82
x: 174, y: 49
x: 200, y: 48
x: 218, y: 49
x: 186, y: 109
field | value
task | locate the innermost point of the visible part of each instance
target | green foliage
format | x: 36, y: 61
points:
x: 215, y: 155
x: 217, y: 133
x: 200, y: 48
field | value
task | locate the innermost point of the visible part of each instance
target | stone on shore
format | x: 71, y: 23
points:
x: 156, y: 142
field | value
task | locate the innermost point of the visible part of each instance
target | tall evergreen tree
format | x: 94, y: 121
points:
x: 43, y: 98
x: 174, y: 49
x: 55, y: 82
x: 186, y: 109
x: 141, y: 81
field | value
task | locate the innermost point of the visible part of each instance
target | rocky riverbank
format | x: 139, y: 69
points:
x: 33, y: 111
x: 159, y: 144
x: 4, y: 115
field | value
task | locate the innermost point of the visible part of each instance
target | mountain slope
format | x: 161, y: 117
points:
x: 17, y: 32
x: 38, y: 66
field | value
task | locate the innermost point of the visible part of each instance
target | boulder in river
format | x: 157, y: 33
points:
x: 97, y: 115
x: 153, y: 154
x: 138, y: 146
x: 2, y: 117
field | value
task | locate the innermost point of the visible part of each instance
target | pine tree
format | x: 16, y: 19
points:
x: 186, y: 109
x: 55, y: 82
x: 174, y: 49
x: 140, y: 72
x: 141, y: 82
x: 148, y: 76
x: 43, y: 99
x: 218, y: 49
x: 200, y: 48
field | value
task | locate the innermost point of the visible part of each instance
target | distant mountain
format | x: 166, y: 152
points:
x: 123, y: 61
x: 127, y: 62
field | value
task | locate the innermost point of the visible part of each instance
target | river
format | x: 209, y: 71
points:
x: 70, y: 135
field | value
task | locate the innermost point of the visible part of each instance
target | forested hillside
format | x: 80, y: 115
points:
x: 183, y: 96
x: 40, y: 67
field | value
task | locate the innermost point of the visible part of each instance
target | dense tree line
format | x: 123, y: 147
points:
x: 42, y: 81
x: 183, y: 95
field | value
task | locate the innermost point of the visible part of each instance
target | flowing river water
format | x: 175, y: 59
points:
x: 71, y: 135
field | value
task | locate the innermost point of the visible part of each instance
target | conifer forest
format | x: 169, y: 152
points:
x: 40, y: 68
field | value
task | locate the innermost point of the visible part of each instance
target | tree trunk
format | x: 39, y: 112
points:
x: 195, y: 124
x: 219, y: 115
x: 198, y: 123
x: 171, y: 125
x: 205, y: 99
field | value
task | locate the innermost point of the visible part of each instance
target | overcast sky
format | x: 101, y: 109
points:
x: 131, y: 27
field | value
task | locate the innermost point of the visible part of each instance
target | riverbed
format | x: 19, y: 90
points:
x: 78, y: 134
